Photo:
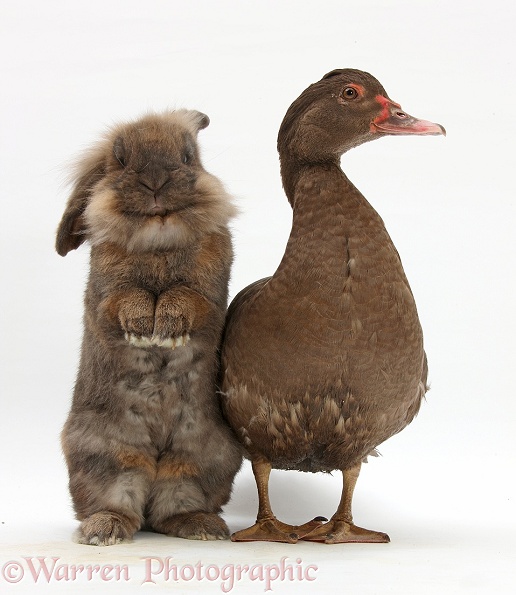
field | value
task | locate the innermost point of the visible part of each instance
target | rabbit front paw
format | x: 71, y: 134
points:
x: 168, y: 325
x: 171, y: 342
x: 138, y: 331
x: 173, y: 321
x: 137, y: 341
x: 157, y: 340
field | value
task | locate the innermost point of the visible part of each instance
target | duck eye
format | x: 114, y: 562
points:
x: 350, y: 93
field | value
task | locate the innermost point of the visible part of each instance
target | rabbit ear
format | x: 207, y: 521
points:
x: 201, y: 120
x: 198, y: 119
x: 71, y: 232
x: 190, y: 119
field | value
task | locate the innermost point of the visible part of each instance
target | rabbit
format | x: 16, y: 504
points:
x: 145, y: 443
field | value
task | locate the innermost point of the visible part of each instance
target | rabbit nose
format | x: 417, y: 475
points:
x: 154, y: 176
x: 161, y: 186
x: 154, y: 187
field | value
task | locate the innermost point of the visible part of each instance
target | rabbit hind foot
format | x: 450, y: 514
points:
x: 105, y: 528
x: 204, y: 526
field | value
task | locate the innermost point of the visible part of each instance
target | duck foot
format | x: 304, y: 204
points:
x: 270, y: 529
x: 339, y: 531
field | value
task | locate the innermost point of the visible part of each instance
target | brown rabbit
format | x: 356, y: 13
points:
x: 145, y: 442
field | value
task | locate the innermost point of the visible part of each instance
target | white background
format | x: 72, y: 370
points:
x: 444, y: 488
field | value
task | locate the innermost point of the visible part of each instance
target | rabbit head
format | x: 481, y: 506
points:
x: 144, y: 188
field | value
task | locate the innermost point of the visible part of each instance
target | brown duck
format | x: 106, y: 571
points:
x: 324, y: 360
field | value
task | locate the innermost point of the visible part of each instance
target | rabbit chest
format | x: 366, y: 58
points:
x: 157, y: 396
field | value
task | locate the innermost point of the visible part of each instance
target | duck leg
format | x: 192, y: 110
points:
x: 340, y: 528
x: 267, y: 526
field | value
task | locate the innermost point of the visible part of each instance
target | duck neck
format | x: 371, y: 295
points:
x: 293, y: 169
x: 330, y: 216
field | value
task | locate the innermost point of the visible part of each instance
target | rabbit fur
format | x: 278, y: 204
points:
x: 145, y: 442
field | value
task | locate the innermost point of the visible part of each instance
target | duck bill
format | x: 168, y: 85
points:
x: 393, y: 120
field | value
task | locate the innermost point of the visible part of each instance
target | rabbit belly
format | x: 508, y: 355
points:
x: 160, y: 394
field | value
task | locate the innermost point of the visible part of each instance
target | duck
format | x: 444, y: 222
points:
x: 324, y: 360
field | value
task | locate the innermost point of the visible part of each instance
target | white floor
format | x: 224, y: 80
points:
x: 452, y: 559
x: 439, y: 542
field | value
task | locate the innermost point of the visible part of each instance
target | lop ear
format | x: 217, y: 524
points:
x: 71, y: 232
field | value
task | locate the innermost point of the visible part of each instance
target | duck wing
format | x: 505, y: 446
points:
x: 243, y: 297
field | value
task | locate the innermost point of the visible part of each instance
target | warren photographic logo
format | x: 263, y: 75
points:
x: 157, y: 570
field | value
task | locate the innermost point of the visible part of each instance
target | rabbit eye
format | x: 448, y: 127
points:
x: 188, y: 150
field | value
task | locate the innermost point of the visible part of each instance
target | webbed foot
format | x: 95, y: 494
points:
x: 341, y: 531
x: 271, y: 529
x: 266, y: 530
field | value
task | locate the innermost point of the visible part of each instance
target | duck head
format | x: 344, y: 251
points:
x: 346, y: 108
